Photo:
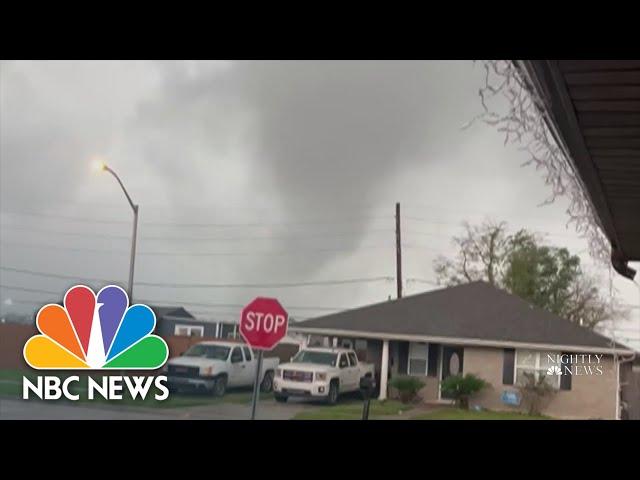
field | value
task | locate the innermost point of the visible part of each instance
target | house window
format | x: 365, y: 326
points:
x: 537, y: 363
x: 418, y: 355
x: 228, y: 330
x: 361, y: 344
x: 346, y: 343
x: 189, y: 331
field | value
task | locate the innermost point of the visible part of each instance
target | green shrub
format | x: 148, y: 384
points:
x: 460, y: 388
x: 408, y: 387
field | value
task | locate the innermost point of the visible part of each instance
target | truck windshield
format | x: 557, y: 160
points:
x: 216, y: 352
x: 322, y: 358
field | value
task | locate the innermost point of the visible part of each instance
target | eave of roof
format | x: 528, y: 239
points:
x: 599, y: 84
x: 177, y: 312
x: 475, y: 342
x: 473, y: 314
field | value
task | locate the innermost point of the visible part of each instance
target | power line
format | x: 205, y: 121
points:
x: 323, y: 221
x: 266, y: 224
x: 55, y: 275
x: 200, y: 238
x: 265, y: 237
x: 466, y: 211
x: 66, y: 233
x: 425, y: 248
x: 240, y: 306
x: 270, y: 237
x: 181, y: 302
x: 459, y: 225
x: 25, y: 289
x: 198, y: 254
x: 209, y: 285
x: 178, y: 302
x: 426, y: 220
x: 237, y: 307
x: 65, y: 217
x: 422, y: 280
x: 66, y: 248
x: 212, y: 310
x: 429, y: 234
x: 270, y: 285
x: 206, y: 225
x: 223, y: 254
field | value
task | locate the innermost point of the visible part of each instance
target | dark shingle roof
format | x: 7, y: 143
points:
x: 472, y: 311
x: 162, y: 312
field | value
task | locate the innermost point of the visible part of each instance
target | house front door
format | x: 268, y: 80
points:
x: 452, y: 363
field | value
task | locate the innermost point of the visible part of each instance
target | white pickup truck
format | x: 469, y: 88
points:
x: 214, y: 366
x: 320, y: 373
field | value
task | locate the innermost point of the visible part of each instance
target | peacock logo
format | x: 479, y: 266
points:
x: 95, y: 332
x: 554, y: 370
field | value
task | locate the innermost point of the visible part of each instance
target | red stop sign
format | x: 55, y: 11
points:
x: 263, y: 323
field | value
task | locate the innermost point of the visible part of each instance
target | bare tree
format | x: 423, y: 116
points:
x: 482, y: 252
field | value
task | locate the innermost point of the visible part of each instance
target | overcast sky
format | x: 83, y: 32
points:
x: 253, y: 172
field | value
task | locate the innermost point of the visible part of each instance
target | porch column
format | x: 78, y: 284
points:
x: 384, y: 370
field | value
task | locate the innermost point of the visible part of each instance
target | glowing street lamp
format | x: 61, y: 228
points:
x: 105, y: 168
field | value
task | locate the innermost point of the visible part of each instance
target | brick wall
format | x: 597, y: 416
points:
x: 12, y: 339
x: 590, y: 397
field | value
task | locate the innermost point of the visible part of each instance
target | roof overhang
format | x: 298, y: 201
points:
x: 593, y: 111
x: 457, y: 341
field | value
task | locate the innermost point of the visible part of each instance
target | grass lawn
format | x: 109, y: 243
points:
x: 352, y: 410
x: 11, y: 386
x: 458, y: 414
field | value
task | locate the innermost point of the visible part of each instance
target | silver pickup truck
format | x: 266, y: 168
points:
x: 214, y: 366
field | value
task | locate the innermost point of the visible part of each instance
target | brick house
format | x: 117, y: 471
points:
x: 476, y: 328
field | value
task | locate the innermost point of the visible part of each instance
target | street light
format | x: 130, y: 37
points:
x: 104, y: 167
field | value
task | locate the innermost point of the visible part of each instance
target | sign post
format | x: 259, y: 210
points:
x: 256, y: 389
x: 263, y: 323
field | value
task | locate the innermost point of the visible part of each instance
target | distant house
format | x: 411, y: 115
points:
x: 476, y: 328
x: 178, y: 321
x: 181, y: 329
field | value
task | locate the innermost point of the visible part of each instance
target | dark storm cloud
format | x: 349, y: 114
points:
x: 39, y: 143
x: 54, y: 117
x: 322, y: 137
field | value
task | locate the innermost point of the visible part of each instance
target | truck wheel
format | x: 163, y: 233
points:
x: 332, y: 397
x: 220, y: 386
x: 280, y: 398
x: 267, y: 383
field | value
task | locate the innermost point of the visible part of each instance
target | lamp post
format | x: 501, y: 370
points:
x: 135, y: 209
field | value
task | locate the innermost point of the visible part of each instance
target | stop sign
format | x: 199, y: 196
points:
x: 263, y: 323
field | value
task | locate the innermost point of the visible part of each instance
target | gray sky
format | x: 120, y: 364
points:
x: 282, y: 171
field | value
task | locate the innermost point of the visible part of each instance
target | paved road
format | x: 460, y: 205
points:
x: 32, y: 410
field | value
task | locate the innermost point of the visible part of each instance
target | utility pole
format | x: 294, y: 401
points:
x: 398, y: 252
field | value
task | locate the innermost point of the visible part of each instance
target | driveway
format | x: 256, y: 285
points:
x: 36, y: 410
